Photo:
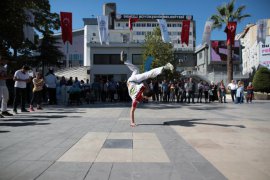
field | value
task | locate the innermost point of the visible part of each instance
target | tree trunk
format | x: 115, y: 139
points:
x: 229, y: 64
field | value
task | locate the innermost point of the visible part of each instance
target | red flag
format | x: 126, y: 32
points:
x: 230, y: 31
x: 66, y: 26
x: 131, y: 21
x: 185, y: 32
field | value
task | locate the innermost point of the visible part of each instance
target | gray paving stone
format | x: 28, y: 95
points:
x: 208, y: 171
x: 49, y: 141
x: 118, y: 143
x: 99, y: 171
x: 63, y: 175
x: 33, y: 170
x: 14, y: 169
x: 70, y: 166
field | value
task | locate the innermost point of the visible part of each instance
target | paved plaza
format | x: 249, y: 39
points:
x: 171, y: 142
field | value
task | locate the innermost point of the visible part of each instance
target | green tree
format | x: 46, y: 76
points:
x: 49, y: 51
x: 261, y: 80
x: 14, y: 17
x: 227, y: 13
x: 155, y: 47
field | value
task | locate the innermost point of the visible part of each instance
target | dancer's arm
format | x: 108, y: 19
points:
x: 132, y: 110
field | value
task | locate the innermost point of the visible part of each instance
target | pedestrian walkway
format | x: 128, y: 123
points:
x: 171, y: 141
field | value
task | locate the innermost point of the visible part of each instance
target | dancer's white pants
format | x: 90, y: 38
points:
x: 138, y: 78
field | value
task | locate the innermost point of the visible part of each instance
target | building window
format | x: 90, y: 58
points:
x: 107, y: 59
x: 125, y: 38
x: 169, y: 25
x: 200, y: 55
x: 137, y: 59
x: 94, y: 34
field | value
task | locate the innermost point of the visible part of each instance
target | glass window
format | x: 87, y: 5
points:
x: 107, y: 59
x: 94, y: 34
x: 101, y: 59
x: 137, y: 59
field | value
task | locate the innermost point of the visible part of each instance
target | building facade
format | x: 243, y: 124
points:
x: 73, y: 52
x: 104, y: 60
x: 212, y: 61
x: 254, y: 53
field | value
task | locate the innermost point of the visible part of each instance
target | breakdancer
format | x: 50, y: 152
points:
x: 136, y: 88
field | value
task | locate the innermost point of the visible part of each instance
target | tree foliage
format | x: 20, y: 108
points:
x: 261, y: 80
x: 228, y: 13
x: 155, y: 47
x: 14, y: 17
x: 49, y: 51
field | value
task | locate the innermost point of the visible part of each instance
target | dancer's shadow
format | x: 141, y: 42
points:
x: 190, y: 123
x: 193, y: 122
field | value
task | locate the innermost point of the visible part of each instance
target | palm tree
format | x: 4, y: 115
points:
x: 226, y: 13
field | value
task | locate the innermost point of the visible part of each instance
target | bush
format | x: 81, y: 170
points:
x: 261, y: 80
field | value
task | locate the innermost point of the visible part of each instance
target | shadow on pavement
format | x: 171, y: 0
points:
x: 23, y: 124
x: 51, y: 116
x: 4, y: 131
x: 64, y: 112
x: 193, y: 122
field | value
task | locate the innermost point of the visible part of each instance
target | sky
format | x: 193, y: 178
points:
x: 200, y: 9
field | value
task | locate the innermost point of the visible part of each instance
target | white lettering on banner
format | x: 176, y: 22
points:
x: 145, y: 16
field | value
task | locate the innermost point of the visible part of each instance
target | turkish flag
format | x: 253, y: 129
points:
x: 66, y: 26
x: 131, y: 21
x: 230, y: 31
x: 185, y: 32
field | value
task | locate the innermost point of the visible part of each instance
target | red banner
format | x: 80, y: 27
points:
x: 185, y: 32
x: 230, y: 31
x: 131, y: 21
x: 66, y: 26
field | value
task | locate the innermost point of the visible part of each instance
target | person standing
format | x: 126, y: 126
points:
x: 200, y: 91
x: 21, y: 78
x: 4, y: 94
x: 38, y: 83
x: 190, y: 89
x: 250, y: 92
x: 239, y: 92
x: 232, y: 87
x: 222, y: 92
x: 51, y: 81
